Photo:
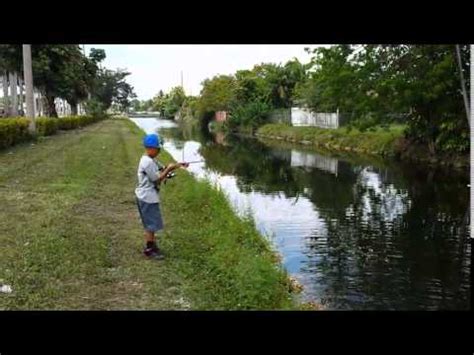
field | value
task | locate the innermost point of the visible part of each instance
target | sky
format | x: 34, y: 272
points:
x: 159, y: 67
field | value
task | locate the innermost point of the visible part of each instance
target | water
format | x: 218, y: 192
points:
x: 359, y: 234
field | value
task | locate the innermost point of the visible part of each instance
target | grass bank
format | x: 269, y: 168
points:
x: 71, y: 237
x: 379, y: 141
x: 383, y: 142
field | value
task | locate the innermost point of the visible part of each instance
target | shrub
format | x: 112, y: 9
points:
x: 13, y: 130
x: 46, y: 126
x: 253, y: 114
x: 95, y: 108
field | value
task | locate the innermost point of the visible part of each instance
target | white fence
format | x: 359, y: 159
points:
x: 304, y: 117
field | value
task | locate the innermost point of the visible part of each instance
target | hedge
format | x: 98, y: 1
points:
x: 15, y: 130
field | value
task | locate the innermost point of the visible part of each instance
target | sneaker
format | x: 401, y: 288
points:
x: 153, y: 253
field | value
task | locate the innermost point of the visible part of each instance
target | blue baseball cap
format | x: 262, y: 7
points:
x: 152, y: 141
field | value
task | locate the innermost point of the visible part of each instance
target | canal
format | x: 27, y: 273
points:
x: 358, y: 233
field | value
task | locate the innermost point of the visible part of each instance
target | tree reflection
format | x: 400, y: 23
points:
x: 396, y: 235
x: 396, y: 248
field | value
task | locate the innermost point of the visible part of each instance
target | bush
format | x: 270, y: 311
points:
x: 95, y: 108
x: 13, y: 130
x: 46, y: 126
x: 217, y: 126
x: 252, y: 114
x: 366, y: 123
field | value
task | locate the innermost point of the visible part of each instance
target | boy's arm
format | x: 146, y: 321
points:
x: 169, y: 168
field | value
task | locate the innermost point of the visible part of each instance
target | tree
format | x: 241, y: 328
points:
x: 428, y: 84
x: 217, y: 94
x: 135, y: 105
x: 159, y: 103
x: 250, y: 85
x: 80, y: 73
x: 97, y: 55
x: 190, y: 106
x: 279, y: 82
x: 463, y: 82
x: 29, y: 86
x: 10, y: 65
x: 174, y: 101
x: 375, y: 82
x: 53, y: 71
x: 333, y: 83
x: 111, y: 88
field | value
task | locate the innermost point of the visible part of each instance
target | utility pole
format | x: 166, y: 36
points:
x: 28, y: 71
x: 472, y: 133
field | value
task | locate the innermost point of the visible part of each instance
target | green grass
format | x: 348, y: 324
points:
x: 71, y: 236
x: 379, y: 141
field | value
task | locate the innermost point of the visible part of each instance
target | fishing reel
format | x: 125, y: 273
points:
x: 170, y: 175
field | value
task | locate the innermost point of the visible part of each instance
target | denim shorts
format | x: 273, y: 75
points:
x: 150, y: 215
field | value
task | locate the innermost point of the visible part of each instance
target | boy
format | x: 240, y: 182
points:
x: 150, y: 175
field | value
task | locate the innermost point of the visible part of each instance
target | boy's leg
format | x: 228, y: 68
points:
x: 151, y: 218
x: 151, y: 249
x: 150, y: 240
x: 149, y: 237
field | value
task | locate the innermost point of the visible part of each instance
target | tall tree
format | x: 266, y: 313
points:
x: 6, y: 105
x: 217, y: 94
x: 13, y: 78
x: 333, y: 81
x: 79, y: 80
x: 10, y: 65
x: 463, y: 82
x: 29, y: 87
x: 53, y: 71
x: 111, y: 88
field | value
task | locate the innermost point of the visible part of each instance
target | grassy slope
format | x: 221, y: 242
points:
x: 379, y: 142
x: 70, y: 237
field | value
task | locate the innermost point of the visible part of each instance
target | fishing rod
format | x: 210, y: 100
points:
x: 190, y: 162
x: 194, y: 162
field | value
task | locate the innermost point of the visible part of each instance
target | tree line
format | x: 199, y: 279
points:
x: 64, y: 71
x: 420, y: 86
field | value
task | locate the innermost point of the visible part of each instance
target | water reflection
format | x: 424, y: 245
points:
x: 313, y: 160
x: 358, y: 235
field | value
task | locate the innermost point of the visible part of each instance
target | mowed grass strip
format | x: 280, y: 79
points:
x: 70, y: 236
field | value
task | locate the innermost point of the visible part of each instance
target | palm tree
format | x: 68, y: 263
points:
x: 5, y: 94
x: 28, y: 72
x: 20, y: 95
x: 14, y: 96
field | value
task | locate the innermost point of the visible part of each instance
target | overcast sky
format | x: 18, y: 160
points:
x: 156, y: 67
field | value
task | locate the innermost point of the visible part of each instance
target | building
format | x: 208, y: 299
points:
x: 220, y: 116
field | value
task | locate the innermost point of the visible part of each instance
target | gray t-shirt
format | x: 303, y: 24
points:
x: 147, y: 177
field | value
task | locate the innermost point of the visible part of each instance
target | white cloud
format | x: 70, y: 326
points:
x: 156, y: 67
